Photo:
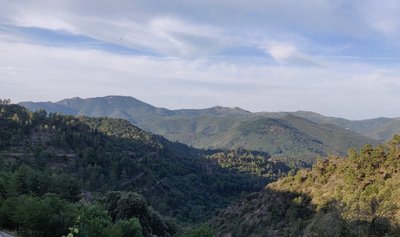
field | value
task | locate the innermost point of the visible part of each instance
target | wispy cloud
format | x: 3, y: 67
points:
x: 336, y: 57
x: 382, y: 16
x: 28, y: 74
x: 288, y: 53
x: 185, y: 39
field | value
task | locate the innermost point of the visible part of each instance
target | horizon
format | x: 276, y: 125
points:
x: 337, y: 58
x: 192, y: 108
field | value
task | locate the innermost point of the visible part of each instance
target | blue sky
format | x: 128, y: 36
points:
x: 335, y: 57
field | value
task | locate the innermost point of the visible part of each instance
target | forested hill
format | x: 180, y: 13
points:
x: 357, y: 196
x: 81, y: 158
x: 285, y: 136
x: 377, y: 128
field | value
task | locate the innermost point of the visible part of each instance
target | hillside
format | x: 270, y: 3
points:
x: 357, y: 196
x: 286, y: 137
x: 81, y: 157
x: 378, y: 128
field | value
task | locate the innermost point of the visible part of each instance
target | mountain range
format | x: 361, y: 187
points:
x: 291, y: 136
x: 65, y: 166
x: 381, y: 128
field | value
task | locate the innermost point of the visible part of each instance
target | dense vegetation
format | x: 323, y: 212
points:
x: 258, y: 163
x: 289, y: 138
x: 378, y: 128
x: 80, y: 176
x: 357, y: 196
x: 57, y: 171
x: 117, y: 214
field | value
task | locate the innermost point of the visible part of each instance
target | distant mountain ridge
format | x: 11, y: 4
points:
x: 381, y: 128
x: 377, y: 128
x: 298, y: 135
x: 122, y: 105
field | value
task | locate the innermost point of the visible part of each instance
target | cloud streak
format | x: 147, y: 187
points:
x: 335, y: 57
x: 206, y: 27
x: 28, y: 74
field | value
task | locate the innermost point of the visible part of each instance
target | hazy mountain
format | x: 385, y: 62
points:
x: 49, y: 107
x: 377, y: 128
x: 280, y: 134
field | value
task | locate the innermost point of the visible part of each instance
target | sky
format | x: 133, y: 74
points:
x: 335, y: 57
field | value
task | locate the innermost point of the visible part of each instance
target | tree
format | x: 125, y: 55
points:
x: 127, y: 205
x: 5, y: 101
x: 95, y: 221
x: 201, y: 231
x: 127, y: 228
x: 45, y: 216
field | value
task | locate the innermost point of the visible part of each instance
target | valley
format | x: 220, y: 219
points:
x: 151, y: 118
x: 64, y: 159
x: 92, y: 162
x: 289, y: 137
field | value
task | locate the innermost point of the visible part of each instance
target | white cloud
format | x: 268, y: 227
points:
x: 288, y: 53
x: 382, y: 16
x: 188, y: 28
x: 165, y: 33
x: 30, y: 74
x: 281, y: 51
x: 305, y: 37
x: 43, y: 21
x: 185, y: 39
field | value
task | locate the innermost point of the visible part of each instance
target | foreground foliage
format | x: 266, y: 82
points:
x: 49, y: 215
x: 357, y: 196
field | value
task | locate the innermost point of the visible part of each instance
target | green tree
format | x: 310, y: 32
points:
x: 5, y: 101
x: 127, y: 228
x: 201, y: 231
x: 45, y: 216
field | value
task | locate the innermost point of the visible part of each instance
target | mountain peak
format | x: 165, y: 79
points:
x: 228, y: 110
x: 70, y: 100
x: 147, y: 115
